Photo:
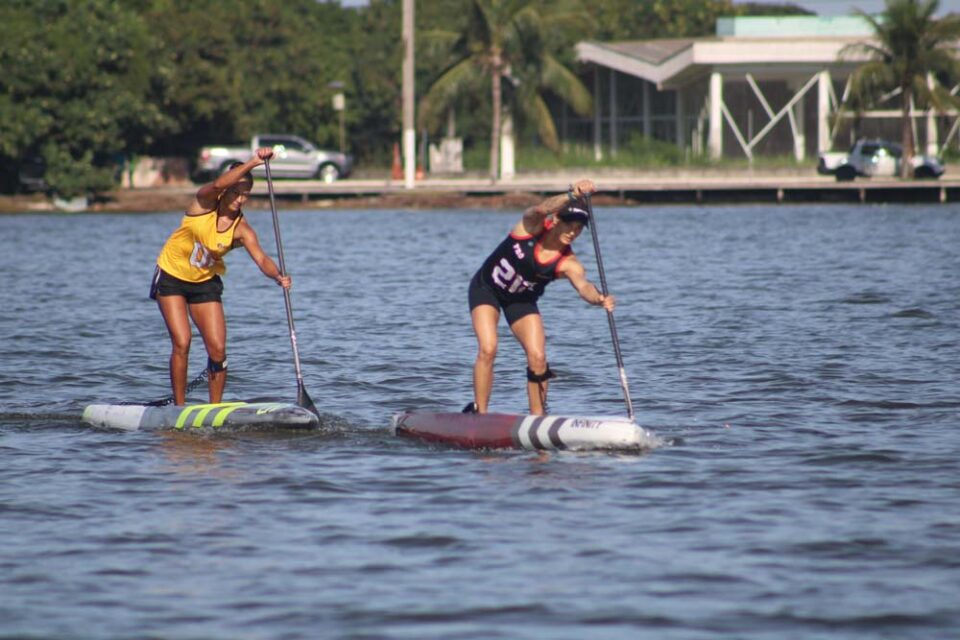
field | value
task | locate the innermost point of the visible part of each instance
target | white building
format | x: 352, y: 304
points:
x: 760, y: 87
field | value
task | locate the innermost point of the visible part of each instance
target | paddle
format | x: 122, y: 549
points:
x: 303, y: 398
x: 613, y: 324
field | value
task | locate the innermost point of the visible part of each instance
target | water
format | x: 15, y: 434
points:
x: 799, y: 363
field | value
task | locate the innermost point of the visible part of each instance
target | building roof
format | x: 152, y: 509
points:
x: 790, y: 26
x: 764, y: 47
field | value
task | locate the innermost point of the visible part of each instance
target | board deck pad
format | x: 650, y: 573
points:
x: 509, y: 431
x: 221, y: 416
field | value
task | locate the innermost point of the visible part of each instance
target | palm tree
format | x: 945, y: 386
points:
x: 510, y: 40
x: 911, y: 48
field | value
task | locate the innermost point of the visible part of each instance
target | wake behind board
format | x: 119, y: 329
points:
x: 222, y: 416
x: 507, y: 431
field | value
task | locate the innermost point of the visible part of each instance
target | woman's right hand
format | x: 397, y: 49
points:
x: 263, y: 154
x: 582, y: 188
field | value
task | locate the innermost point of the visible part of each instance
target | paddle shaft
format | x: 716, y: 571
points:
x: 613, y: 325
x: 303, y: 399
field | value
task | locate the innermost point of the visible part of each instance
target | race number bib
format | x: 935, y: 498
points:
x: 200, y: 257
x: 507, y: 278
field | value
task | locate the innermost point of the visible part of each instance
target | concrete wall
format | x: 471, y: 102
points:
x: 156, y: 172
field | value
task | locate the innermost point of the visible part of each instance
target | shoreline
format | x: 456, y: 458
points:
x: 617, y: 187
x: 165, y: 199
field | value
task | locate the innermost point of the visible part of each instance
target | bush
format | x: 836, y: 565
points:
x: 68, y: 177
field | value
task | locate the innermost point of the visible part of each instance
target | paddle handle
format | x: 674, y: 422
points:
x: 610, y: 320
x: 283, y: 272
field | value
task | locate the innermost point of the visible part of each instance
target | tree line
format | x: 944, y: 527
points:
x: 88, y: 83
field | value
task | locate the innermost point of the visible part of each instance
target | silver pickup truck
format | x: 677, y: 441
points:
x: 293, y: 157
x: 876, y: 158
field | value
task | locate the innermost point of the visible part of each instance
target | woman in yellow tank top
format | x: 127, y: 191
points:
x: 187, y: 279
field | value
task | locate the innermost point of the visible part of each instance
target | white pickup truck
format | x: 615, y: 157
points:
x: 293, y: 157
x: 870, y: 158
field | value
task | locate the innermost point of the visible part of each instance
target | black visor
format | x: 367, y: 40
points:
x: 573, y: 213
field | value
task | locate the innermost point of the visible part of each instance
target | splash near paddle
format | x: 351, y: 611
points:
x: 507, y: 431
x: 216, y: 417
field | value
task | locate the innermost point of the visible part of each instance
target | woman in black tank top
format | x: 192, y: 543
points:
x: 535, y: 253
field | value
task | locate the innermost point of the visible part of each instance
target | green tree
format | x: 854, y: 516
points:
x: 75, y: 88
x: 911, y: 47
x: 764, y: 9
x: 375, y: 75
x: 241, y: 68
x: 508, y: 47
x: 201, y: 79
x: 632, y: 20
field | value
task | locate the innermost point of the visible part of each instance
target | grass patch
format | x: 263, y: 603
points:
x: 639, y: 153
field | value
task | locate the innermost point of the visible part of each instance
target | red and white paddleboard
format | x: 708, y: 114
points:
x: 507, y: 431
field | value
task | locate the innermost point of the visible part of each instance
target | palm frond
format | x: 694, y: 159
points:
x: 942, y: 100
x: 873, y: 51
x: 534, y: 109
x: 569, y: 15
x: 443, y: 93
x: 480, y: 22
x: 567, y: 85
x: 516, y: 40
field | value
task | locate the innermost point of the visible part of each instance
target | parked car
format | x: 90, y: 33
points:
x: 293, y: 157
x: 871, y: 158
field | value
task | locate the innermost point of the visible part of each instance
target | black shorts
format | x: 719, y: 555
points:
x: 164, y: 284
x: 479, y: 293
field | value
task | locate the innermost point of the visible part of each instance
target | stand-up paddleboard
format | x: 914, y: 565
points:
x: 222, y: 416
x: 507, y: 431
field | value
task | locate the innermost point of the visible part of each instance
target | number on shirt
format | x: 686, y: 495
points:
x: 507, y: 278
x: 200, y: 257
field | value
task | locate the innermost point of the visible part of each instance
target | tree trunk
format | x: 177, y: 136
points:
x: 906, y: 133
x: 508, y: 167
x: 495, y: 90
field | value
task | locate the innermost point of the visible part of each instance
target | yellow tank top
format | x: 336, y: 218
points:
x: 194, y: 251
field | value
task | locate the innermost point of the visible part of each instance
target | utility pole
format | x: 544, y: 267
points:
x: 409, y: 133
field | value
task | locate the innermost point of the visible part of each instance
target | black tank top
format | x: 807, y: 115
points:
x: 513, y: 271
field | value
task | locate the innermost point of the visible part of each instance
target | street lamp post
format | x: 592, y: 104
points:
x: 339, y: 105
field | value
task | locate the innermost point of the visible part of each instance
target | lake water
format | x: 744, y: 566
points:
x: 799, y: 363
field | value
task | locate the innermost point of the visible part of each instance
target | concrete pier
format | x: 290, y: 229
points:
x: 641, y: 188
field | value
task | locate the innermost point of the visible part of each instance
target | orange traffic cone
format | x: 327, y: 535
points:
x: 396, y: 172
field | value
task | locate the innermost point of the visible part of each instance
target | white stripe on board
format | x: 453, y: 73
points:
x: 523, y: 433
x: 543, y: 432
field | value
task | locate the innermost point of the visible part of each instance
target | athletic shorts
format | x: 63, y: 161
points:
x: 164, y: 284
x: 479, y: 293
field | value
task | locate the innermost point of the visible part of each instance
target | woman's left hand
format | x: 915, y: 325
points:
x: 284, y: 281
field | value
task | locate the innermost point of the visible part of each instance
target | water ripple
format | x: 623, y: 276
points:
x: 797, y: 364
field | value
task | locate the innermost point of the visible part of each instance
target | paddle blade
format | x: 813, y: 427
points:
x: 303, y: 400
